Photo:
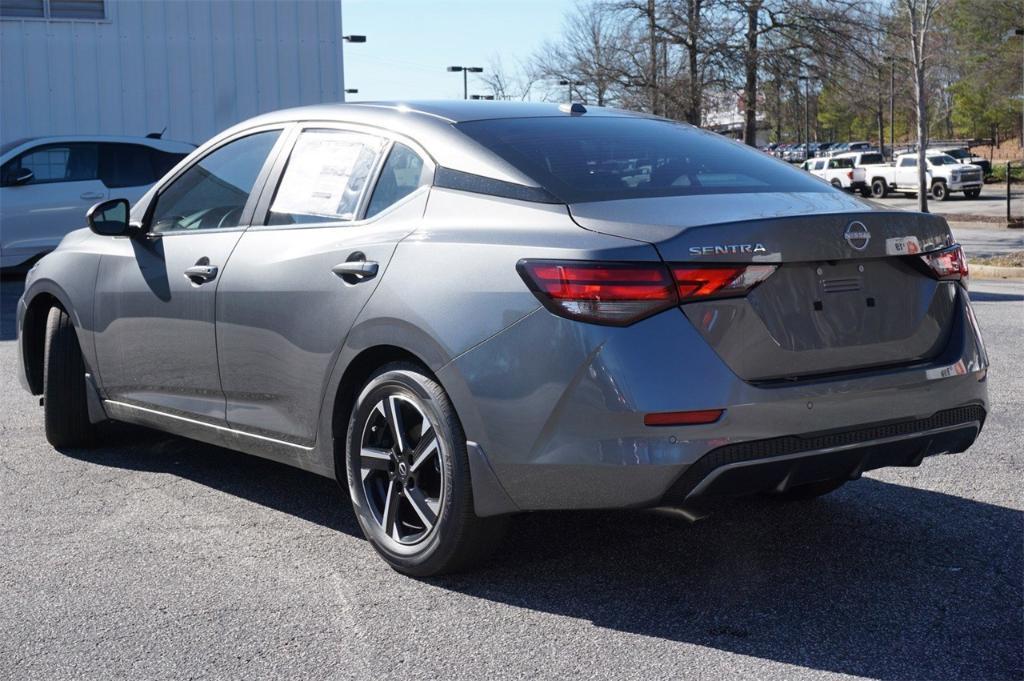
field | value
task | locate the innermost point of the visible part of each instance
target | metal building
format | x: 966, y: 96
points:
x: 132, y: 67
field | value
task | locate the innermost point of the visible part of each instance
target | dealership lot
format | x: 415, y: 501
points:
x: 162, y: 558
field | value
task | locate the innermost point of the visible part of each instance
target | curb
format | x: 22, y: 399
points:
x: 993, y: 272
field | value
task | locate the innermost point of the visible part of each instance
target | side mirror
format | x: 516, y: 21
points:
x: 19, y: 176
x: 109, y: 218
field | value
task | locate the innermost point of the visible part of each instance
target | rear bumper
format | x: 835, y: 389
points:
x: 557, y: 410
x: 781, y: 463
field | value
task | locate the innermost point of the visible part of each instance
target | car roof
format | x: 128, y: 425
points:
x: 170, y: 146
x: 431, y: 125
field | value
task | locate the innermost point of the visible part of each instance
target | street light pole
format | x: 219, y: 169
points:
x: 465, y: 76
x: 570, y: 84
x: 350, y: 39
x: 892, y: 109
x: 807, y: 115
x: 1020, y: 32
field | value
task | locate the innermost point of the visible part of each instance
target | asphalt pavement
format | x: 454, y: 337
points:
x: 158, y: 558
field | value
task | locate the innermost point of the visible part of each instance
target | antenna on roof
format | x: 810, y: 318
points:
x: 157, y: 135
x: 574, y: 108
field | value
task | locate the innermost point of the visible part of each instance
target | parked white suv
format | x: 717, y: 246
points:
x: 47, y: 184
x: 944, y: 174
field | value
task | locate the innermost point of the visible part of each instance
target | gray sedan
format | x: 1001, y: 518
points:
x: 466, y: 310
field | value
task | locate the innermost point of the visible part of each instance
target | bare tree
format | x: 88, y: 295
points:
x: 588, y: 53
x: 920, y: 14
x: 503, y: 84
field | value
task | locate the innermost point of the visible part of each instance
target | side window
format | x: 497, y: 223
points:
x: 126, y: 165
x: 401, y: 175
x: 212, y: 193
x: 908, y: 162
x: 55, y: 163
x: 163, y: 161
x: 325, y: 177
x: 819, y: 165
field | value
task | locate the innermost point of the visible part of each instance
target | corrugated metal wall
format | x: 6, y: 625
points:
x: 194, y: 66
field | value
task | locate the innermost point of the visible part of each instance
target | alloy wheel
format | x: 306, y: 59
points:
x: 401, y: 469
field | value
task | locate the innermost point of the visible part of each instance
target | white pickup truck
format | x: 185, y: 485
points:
x: 944, y: 176
x: 840, y: 172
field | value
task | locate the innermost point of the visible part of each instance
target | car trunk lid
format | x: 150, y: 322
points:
x: 849, y: 293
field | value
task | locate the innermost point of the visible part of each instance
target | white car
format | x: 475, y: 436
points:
x: 944, y: 175
x: 840, y: 172
x: 48, y: 183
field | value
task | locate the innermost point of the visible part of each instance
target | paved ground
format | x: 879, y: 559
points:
x: 981, y: 239
x: 155, y: 557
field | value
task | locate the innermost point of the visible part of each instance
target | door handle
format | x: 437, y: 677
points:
x: 200, y: 274
x: 358, y: 269
x: 91, y: 196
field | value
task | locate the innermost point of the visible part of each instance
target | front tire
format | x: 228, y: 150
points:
x: 939, y: 191
x: 65, y: 412
x: 408, y: 476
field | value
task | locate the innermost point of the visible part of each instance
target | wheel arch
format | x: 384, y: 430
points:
x: 39, y: 300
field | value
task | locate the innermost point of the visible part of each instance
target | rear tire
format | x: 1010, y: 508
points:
x: 65, y: 412
x: 811, y: 490
x: 837, y: 184
x: 939, y: 191
x: 409, y: 479
x: 879, y: 189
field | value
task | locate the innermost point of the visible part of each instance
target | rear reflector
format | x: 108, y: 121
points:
x: 619, y: 294
x: 683, y: 418
x: 947, y: 265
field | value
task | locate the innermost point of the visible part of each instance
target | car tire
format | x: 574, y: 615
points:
x: 412, y: 495
x: 972, y: 193
x: 65, y: 411
x: 879, y: 189
x: 939, y: 191
x: 837, y: 184
x: 811, y: 490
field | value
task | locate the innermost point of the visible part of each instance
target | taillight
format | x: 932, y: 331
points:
x: 603, y: 293
x: 717, y: 281
x: 947, y: 265
x: 849, y: 174
x: 620, y: 294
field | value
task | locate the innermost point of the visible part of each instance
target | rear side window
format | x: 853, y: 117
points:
x: 908, y: 162
x: 841, y: 163
x: 126, y: 165
x: 74, y: 162
x: 401, y: 175
x: 871, y: 159
x: 325, y: 177
x: 605, y: 158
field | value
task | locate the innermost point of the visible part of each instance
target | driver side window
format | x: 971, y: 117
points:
x: 212, y: 193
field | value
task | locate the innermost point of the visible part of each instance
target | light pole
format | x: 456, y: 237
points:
x: 892, y: 106
x: 807, y: 115
x: 571, y: 84
x: 1020, y: 32
x: 465, y: 77
x: 350, y: 39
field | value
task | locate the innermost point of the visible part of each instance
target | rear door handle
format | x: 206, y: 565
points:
x: 199, y: 274
x: 91, y: 196
x: 360, y: 269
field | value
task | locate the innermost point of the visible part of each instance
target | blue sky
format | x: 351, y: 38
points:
x: 411, y: 42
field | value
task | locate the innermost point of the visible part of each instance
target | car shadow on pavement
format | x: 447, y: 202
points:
x: 878, y: 579
x: 989, y: 297
x: 11, y: 288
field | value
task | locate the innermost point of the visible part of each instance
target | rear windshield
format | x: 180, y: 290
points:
x: 871, y: 159
x: 582, y: 159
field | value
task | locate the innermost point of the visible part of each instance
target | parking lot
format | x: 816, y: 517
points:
x: 157, y: 557
x: 991, y: 205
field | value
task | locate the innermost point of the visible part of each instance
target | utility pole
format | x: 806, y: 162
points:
x: 892, y: 107
x: 466, y: 70
x: 1020, y: 32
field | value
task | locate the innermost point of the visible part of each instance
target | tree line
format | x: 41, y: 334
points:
x: 827, y: 65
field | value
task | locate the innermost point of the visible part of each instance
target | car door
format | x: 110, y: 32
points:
x: 155, y: 294
x: 298, y: 281
x: 906, y: 172
x: 37, y: 210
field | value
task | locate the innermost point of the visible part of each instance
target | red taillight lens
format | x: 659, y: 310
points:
x: 622, y: 293
x: 849, y: 174
x: 603, y: 293
x: 947, y: 265
x: 700, y: 283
